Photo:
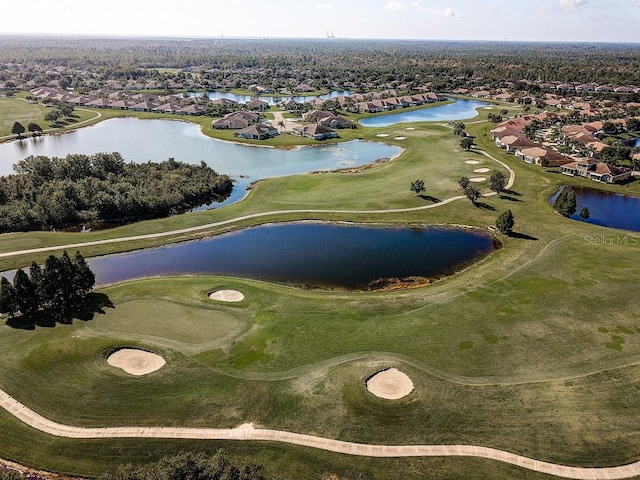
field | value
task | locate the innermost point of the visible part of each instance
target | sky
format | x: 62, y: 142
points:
x: 502, y: 20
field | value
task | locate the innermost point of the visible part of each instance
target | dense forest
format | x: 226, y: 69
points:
x: 89, y: 190
x: 320, y: 63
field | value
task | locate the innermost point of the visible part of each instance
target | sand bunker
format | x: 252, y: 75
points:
x: 227, y: 296
x: 410, y: 128
x: 382, y: 135
x: 399, y: 138
x: 390, y: 384
x: 471, y: 162
x: 481, y: 170
x: 477, y: 179
x: 136, y: 362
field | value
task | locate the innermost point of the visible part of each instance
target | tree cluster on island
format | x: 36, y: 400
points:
x: 58, y: 285
x: 90, y: 190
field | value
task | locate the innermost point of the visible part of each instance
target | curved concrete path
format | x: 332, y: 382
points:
x: 247, y: 432
x: 148, y: 236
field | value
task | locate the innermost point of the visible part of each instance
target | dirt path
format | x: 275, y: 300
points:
x: 247, y: 432
x: 148, y: 236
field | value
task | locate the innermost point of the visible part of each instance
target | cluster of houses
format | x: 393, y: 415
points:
x: 511, y: 136
x: 552, y: 91
x: 252, y: 125
x: 118, y: 100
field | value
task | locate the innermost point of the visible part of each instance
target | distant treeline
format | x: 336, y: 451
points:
x: 78, y: 190
x: 321, y: 63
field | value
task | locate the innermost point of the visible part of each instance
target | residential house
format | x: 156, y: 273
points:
x: 336, y: 121
x: 511, y: 143
x: 597, y: 171
x: 259, y: 105
x: 543, y: 156
x: 260, y: 131
x: 315, y: 131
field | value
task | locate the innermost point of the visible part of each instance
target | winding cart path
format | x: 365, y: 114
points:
x: 249, y: 433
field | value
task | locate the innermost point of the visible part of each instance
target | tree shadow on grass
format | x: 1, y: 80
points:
x: 485, y: 206
x: 94, y: 303
x: 512, y: 192
x: 430, y: 198
x: 522, y: 236
x: 511, y: 199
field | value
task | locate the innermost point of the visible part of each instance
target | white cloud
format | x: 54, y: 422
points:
x: 450, y: 13
x: 323, y: 7
x: 394, y: 6
x: 572, y: 3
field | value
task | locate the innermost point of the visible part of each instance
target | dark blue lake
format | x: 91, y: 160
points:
x: 313, y: 254
x: 607, y: 209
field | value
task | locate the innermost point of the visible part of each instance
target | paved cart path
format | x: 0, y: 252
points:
x: 249, y: 433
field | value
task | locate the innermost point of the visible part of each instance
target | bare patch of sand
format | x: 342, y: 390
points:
x: 136, y: 362
x: 227, y: 296
x: 481, y: 170
x: 410, y: 128
x: 399, y: 138
x: 471, y: 162
x: 382, y: 135
x: 477, y: 179
x: 390, y: 384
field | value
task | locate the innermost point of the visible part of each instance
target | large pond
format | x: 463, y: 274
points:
x: 267, y: 98
x: 317, y: 254
x: 607, y: 209
x: 459, y: 110
x: 144, y: 140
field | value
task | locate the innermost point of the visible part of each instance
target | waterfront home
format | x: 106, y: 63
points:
x: 317, y: 132
x: 259, y: 105
x: 597, y: 171
x: 260, y: 131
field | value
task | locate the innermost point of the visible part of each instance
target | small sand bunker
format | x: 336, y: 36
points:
x: 382, y: 135
x: 477, y: 179
x: 390, y: 384
x: 227, y: 296
x: 471, y: 162
x: 410, y: 128
x: 136, y: 362
x: 481, y: 170
x: 399, y: 138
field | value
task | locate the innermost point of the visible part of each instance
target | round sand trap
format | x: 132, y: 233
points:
x: 477, y: 179
x: 471, y: 162
x: 382, y: 135
x: 390, y: 384
x: 410, y: 128
x: 481, y: 170
x: 227, y: 296
x: 399, y: 138
x: 136, y: 362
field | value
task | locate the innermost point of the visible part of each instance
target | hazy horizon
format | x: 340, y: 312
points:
x: 553, y: 21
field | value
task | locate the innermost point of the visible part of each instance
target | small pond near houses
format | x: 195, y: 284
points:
x: 607, y: 209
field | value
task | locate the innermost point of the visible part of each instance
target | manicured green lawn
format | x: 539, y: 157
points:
x: 534, y: 350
